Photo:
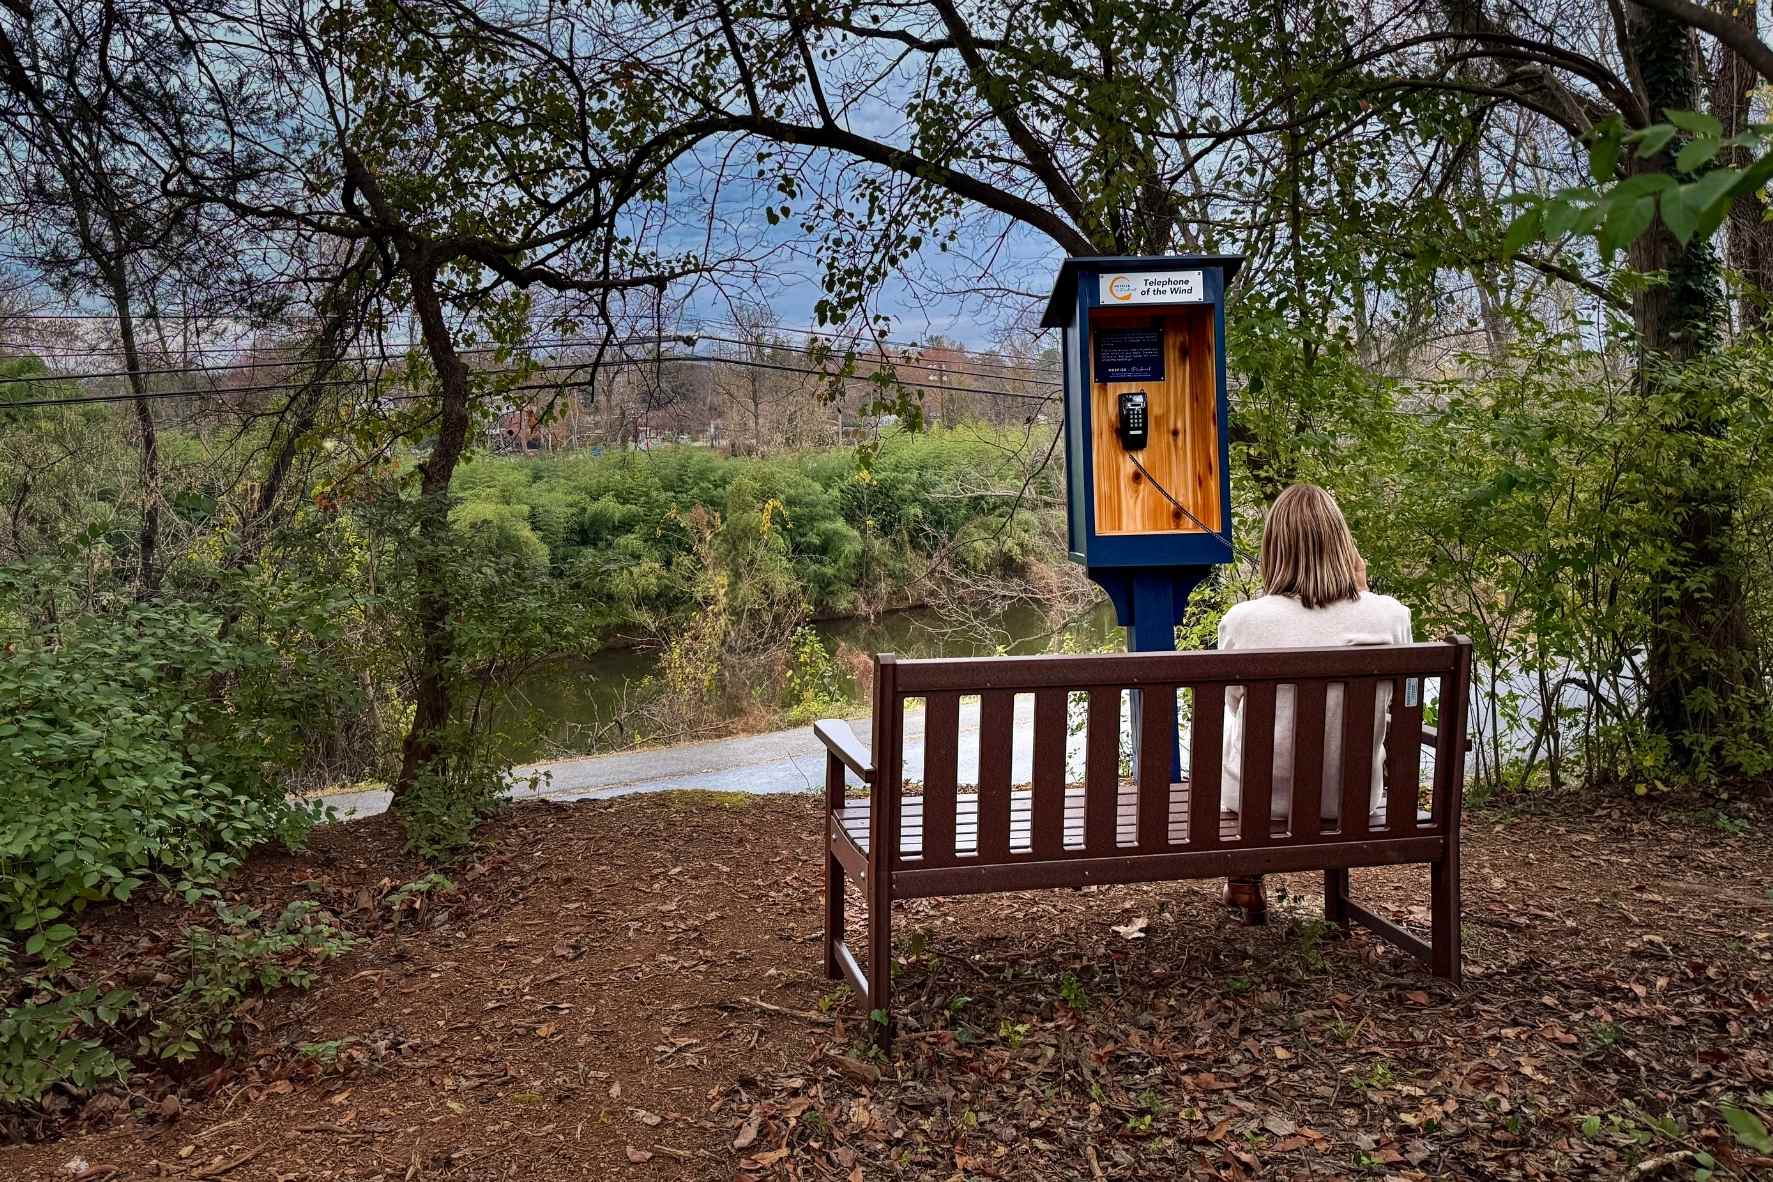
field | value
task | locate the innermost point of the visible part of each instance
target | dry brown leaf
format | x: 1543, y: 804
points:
x: 857, y: 1069
x: 639, y: 1156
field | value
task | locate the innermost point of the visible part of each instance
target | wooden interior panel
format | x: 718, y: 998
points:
x: 1183, y: 448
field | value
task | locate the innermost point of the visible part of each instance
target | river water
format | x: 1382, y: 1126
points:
x: 570, y: 705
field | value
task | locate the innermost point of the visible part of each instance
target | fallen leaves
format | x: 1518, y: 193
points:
x: 1133, y: 929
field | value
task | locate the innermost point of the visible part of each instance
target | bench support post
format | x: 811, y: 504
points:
x: 1336, y: 897
x: 1150, y: 602
x: 1444, y: 959
x: 833, y: 868
x: 883, y: 843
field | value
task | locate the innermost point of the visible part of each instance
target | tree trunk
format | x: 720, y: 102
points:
x: 1749, y: 249
x: 1699, y: 640
x: 148, y: 540
x: 434, y: 688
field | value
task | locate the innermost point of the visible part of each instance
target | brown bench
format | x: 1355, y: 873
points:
x: 944, y: 841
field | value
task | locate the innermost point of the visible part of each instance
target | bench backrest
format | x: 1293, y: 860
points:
x: 1107, y: 817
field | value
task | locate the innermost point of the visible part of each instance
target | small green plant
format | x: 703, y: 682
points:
x: 228, y: 964
x: 1071, y: 992
x: 1013, y: 1034
x: 1749, y: 1129
x: 415, y: 896
x: 325, y: 1053
x: 1152, y: 1102
x: 44, y: 1043
x: 833, y: 999
x: 1376, y: 1078
x: 817, y: 686
x: 1309, y: 940
x: 1238, y: 986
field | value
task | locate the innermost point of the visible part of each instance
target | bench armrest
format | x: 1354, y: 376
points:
x: 1431, y: 738
x: 841, y: 741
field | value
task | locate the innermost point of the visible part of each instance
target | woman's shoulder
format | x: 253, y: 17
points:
x: 1262, y: 607
x: 1384, y: 605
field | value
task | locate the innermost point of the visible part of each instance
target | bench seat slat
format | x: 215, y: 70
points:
x: 1157, y: 739
x: 973, y: 675
x: 1358, y: 705
x: 1258, y: 769
x: 1403, y: 752
x: 1206, y: 733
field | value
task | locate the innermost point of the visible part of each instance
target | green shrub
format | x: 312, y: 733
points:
x: 44, y: 1043
x: 124, y: 757
x: 232, y: 962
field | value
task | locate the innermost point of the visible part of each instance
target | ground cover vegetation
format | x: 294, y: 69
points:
x: 357, y: 425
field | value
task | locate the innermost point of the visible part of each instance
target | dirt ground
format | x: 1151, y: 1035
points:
x: 632, y: 989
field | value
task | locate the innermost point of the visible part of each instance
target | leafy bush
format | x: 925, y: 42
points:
x: 43, y: 1043
x: 232, y: 962
x: 817, y: 684
x: 125, y: 757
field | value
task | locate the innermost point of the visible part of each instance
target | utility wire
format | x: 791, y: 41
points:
x: 613, y: 363
x: 558, y: 343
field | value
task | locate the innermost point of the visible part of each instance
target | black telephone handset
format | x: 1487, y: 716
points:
x: 1132, y: 421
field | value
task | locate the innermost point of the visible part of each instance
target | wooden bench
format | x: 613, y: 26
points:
x: 945, y: 841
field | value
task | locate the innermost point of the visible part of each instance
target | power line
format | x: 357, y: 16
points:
x: 976, y: 357
x: 613, y: 363
x: 556, y: 343
x: 981, y: 358
x: 383, y: 359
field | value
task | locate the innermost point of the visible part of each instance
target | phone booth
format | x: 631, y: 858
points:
x: 1149, y: 490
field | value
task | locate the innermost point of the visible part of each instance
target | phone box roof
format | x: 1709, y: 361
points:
x: 1062, y: 304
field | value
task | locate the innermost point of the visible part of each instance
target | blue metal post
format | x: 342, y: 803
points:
x: 1150, y: 603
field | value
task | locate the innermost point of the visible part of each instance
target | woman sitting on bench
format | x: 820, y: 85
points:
x: 1314, y: 595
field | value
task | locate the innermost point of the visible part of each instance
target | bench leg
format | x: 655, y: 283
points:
x: 880, y: 961
x: 834, y: 783
x: 1336, y: 897
x: 1444, y: 957
x: 833, y: 911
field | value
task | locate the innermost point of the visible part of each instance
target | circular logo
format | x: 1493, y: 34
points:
x: 1120, y: 287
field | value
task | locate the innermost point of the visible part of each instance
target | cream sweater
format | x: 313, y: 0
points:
x: 1278, y: 621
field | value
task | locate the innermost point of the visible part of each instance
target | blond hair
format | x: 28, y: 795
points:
x: 1307, y: 551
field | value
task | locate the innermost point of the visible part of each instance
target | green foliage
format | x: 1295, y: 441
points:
x: 44, y: 1043
x: 136, y: 744
x: 230, y: 963
x: 817, y: 685
x: 850, y: 534
x: 1692, y: 200
x: 1530, y: 513
x: 413, y: 897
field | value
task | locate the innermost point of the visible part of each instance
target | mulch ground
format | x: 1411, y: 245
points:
x: 631, y: 989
